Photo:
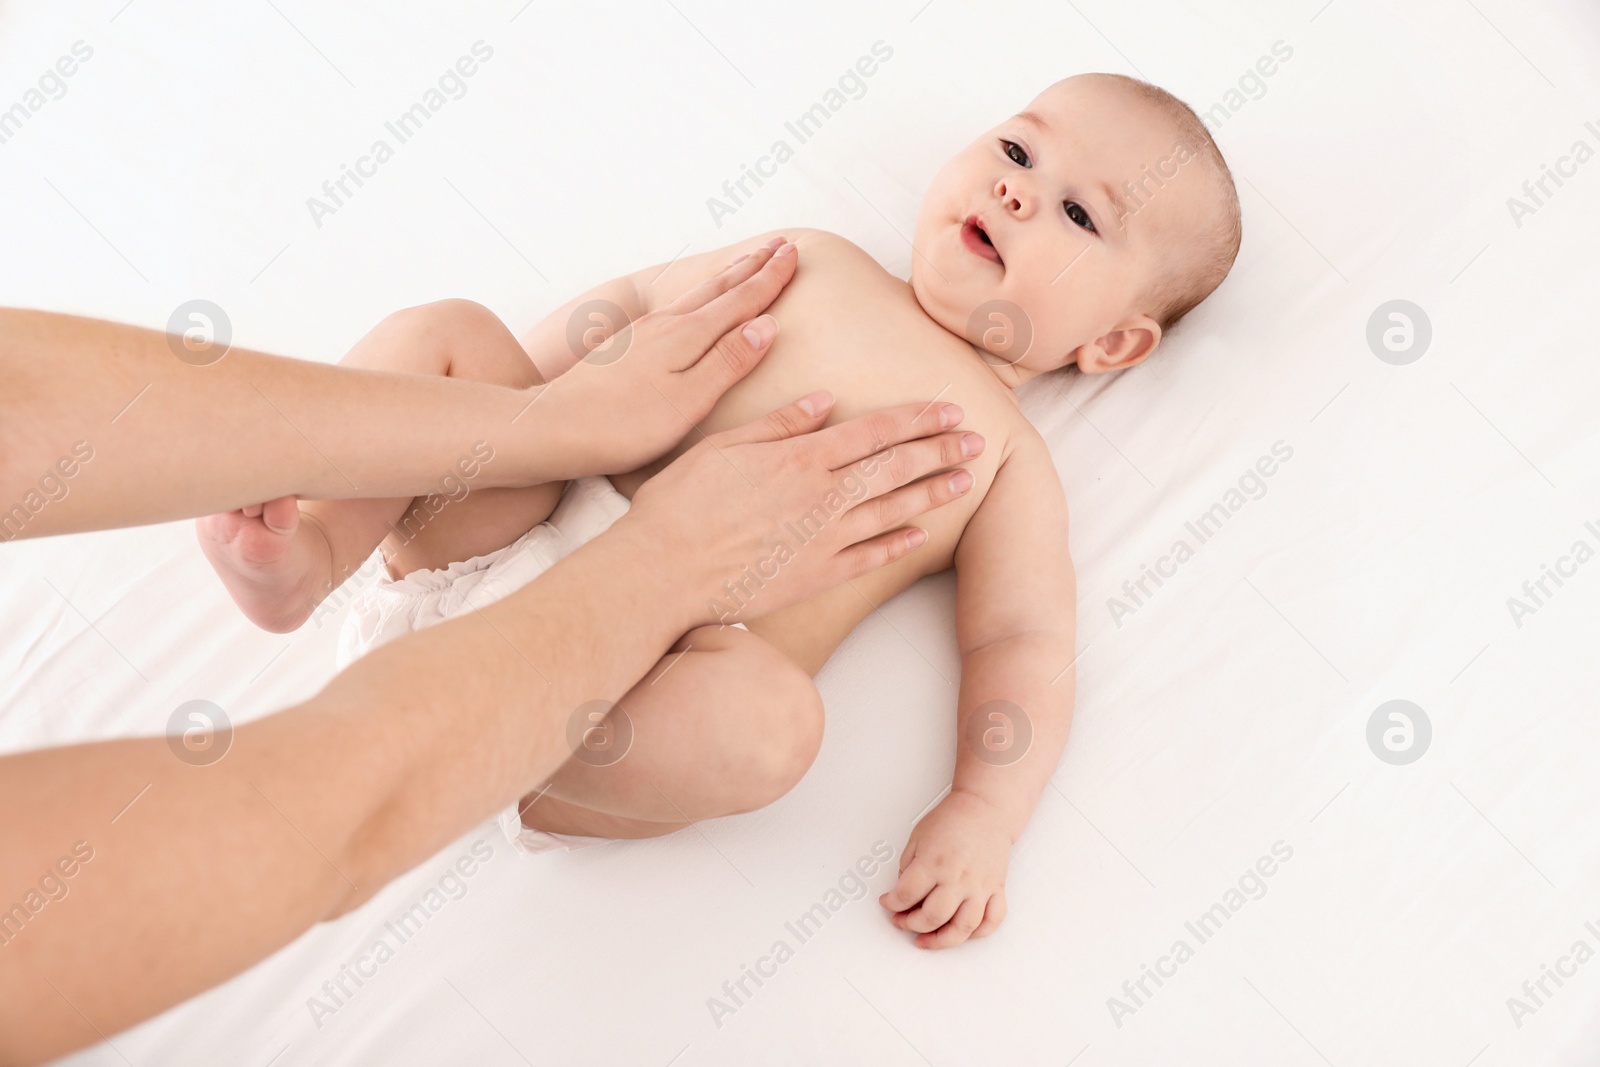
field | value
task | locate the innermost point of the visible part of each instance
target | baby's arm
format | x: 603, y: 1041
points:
x: 1016, y: 602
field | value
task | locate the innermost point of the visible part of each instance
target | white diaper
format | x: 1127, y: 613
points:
x: 390, y: 608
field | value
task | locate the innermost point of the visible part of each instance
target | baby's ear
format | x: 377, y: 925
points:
x: 1128, y: 345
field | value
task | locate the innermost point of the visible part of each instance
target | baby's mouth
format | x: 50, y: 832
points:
x: 977, y: 239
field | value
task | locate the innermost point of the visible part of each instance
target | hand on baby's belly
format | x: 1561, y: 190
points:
x: 849, y: 327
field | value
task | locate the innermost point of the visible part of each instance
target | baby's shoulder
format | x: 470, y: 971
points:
x: 823, y: 248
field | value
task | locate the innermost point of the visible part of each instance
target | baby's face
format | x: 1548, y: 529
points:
x: 1034, y: 216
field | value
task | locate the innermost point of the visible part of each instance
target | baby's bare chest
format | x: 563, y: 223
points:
x: 866, y: 340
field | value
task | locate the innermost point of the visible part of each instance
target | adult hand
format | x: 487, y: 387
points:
x: 803, y: 511
x: 656, y: 378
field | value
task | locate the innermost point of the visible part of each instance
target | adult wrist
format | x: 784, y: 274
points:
x: 669, y: 588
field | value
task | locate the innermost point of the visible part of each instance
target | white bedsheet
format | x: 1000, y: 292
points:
x: 1227, y: 713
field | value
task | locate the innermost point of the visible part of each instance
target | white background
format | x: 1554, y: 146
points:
x: 1227, y: 714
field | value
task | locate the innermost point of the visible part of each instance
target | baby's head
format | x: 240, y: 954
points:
x: 1103, y: 213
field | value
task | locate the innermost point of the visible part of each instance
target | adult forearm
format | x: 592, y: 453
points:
x: 148, y: 437
x: 182, y: 875
x: 199, y: 871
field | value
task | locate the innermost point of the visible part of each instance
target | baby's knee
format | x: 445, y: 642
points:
x: 789, y: 723
x: 470, y: 340
x: 447, y: 321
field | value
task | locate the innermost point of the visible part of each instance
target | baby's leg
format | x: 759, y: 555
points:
x: 457, y: 339
x: 723, y: 724
x: 278, y: 569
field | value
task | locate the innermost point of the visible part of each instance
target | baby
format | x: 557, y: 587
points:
x: 1076, y: 232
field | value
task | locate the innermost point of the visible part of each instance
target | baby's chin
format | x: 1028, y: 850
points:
x: 995, y: 326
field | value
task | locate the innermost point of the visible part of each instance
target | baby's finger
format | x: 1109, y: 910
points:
x: 958, y: 929
x: 935, y: 911
x: 993, y: 915
x: 251, y: 511
x: 914, y: 883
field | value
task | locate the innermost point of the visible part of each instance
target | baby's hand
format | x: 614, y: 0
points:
x: 952, y: 874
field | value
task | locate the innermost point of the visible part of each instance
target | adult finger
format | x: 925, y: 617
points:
x: 743, y: 301
x: 734, y: 355
x: 740, y: 270
x: 880, y: 551
x: 855, y: 440
x: 802, y: 416
x: 893, y: 510
x: 905, y: 463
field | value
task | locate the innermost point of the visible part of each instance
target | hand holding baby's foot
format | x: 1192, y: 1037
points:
x: 263, y: 560
x: 952, y: 874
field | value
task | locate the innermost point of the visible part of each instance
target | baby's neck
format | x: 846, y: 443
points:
x: 1009, y: 375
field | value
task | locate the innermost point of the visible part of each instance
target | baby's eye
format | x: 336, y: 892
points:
x: 1016, y: 153
x: 1079, y: 216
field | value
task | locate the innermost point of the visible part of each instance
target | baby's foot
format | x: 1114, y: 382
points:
x: 264, y: 559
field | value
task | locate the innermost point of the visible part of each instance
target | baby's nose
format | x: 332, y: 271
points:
x: 1013, y: 198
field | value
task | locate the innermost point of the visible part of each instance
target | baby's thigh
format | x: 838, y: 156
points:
x: 723, y: 724
x: 726, y: 705
x: 437, y: 531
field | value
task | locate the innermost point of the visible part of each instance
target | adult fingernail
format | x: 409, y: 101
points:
x: 915, y: 536
x: 812, y: 403
x: 775, y: 242
x: 785, y: 250
x: 950, y: 415
x: 971, y: 444
x: 741, y: 259
x: 760, y: 331
x: 960, y: 482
